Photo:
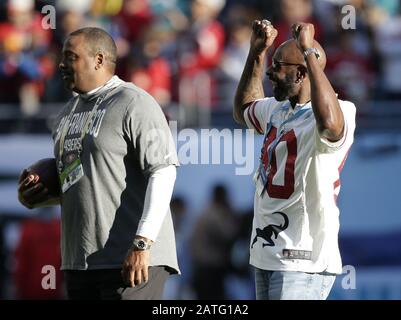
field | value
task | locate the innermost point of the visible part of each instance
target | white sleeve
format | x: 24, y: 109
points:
x: 157, y: 202
x: 257, y: 114
x: 326, y: 146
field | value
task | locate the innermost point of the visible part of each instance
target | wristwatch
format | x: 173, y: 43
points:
x: 308, y: 51
x: 141, y: 244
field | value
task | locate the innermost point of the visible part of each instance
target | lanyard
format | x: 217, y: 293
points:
x: 264, y: 173
x: 66, y: 127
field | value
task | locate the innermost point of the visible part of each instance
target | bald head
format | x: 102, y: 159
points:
x: 289, y: 51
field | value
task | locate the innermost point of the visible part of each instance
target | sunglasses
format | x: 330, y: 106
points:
x: 276, y: 65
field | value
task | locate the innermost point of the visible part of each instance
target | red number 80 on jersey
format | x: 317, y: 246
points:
x: 286, y: 190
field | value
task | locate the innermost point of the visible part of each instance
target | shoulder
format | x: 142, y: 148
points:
x: 258, y: 113
x: 270, y: 102
x: 132, y: 93
x: 264, y: 107
x: 139, y: 104
x: 135, y: 98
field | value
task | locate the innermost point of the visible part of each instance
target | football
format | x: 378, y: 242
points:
x: 46, y: 169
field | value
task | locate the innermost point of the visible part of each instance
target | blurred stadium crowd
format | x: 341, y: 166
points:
x: 189, y: 54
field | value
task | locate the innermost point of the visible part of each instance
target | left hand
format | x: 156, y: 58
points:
x: 304, y: 34
x: 135, y: 267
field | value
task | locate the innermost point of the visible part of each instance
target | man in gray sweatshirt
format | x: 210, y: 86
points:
x: 116, y: 162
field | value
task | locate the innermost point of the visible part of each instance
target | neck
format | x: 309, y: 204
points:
x: 99, y: 82
x: 303, y: 96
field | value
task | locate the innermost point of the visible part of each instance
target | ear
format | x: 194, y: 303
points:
x: 99, y: 60
x: 301, y: 73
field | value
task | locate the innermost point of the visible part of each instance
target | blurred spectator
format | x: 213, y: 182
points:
x: 293, y: 11
x: 81, y: 6
x: 179, y: 288
x: 3, y: 261
x: 179, y: 213
x: 133, y: 19
x: 189, y: 54
x: 239, y: 28
x: 174, y: 11
x: 391, y: 7
x: 388, y: 42
x: 361, y: 41
x: 213, y: 236
x: 202, y: 46
x: 148, y: 69
x: 39, y: 245
x: 351, y: 73
x: 199, y: 52
x: 241, y: 285
x: 24, y: 65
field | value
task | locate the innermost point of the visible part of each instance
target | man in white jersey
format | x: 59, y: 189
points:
x: 308, y: 133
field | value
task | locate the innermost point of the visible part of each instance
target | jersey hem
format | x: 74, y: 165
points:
x: 292, y: 268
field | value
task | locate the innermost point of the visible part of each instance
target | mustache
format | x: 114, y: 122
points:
x: 284, y: 83
x: 66, y: 73
x: 271, y: 77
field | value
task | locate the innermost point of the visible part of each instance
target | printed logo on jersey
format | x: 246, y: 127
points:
x: 269, y: 231
x: 76, y: 125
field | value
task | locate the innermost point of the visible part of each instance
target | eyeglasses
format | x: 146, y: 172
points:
x: 276, y: 65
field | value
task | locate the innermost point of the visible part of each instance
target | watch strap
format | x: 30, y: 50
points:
x: 308, y: 51
x: 141, y: 244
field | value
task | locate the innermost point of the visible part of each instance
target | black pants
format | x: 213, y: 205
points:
x: 107, y: 284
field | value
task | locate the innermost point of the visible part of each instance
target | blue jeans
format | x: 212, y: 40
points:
x: 292, y: 285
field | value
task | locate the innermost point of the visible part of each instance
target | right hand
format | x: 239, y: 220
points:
x: 30, y: 191
x: 135, y: 269
x: 263, y: 36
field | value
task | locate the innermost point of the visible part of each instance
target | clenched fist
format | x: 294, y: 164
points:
x: 304, y: 34
x: 263, y: 36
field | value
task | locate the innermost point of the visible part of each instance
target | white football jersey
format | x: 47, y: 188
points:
x: 296, y: 219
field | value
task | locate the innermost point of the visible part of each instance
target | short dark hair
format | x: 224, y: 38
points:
x: 97, y: 41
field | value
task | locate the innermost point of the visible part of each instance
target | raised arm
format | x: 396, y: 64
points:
x: 250, y: 87
x: 327, y: 111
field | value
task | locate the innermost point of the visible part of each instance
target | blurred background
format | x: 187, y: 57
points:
x: 189, y: 55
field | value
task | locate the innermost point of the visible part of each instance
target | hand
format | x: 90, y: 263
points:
x: 30, y: 191
x: 263, y: 36
x: 135, y: 267
x: 304, y: 34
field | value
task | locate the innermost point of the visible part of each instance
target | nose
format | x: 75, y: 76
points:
x: 61, y: 65
x: 269, y: 72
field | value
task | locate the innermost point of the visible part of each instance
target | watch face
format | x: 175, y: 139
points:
x: 141, y: 244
